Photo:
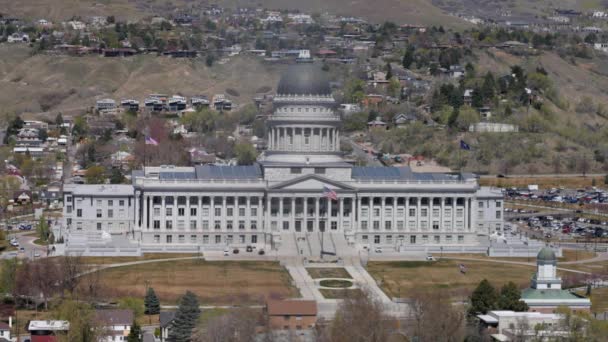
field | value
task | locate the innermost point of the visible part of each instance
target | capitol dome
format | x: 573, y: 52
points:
x: 304, y: 79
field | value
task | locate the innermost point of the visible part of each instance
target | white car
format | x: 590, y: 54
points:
x: 226, y: 252
x: 377, y: 250
x: 430, y: 258
x: 36, y: 254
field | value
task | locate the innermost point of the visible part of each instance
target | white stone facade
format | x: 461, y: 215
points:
x: 283, y: 193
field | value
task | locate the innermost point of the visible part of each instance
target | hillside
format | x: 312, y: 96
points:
x: 410, y: 11
x: 40, y: 83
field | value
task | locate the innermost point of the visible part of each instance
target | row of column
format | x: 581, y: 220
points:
x: 264, y: 213
x: 316, y: 218
x: 148, y: 213
x: 303, y: 139
x: 406, y: 218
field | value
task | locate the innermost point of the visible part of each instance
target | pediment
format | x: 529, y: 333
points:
x: 312, y: 182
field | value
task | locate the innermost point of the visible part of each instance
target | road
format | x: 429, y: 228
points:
x: 359, y: 153
x: 27, y: 242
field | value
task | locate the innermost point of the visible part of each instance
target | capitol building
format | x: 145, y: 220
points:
x: 286, y: 192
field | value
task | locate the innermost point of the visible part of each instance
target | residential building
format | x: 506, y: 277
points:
x: 166, y: 322
x: 18, y: 37
x: 45, y: 331
x: 115, y: 325
x: 545, y: 293
x: 522, y: 326
x: 105, y: 104
x: 291, y: 314
x: 5, y: 331
x: 283, y: 192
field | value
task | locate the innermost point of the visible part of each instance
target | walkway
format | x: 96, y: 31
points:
x: 532, y: 264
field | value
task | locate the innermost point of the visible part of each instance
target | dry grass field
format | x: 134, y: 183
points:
x: 568, y: 255
x: 410, y: 11
x: 330, y: 272
x: 397, y: 279
x: 60, y: 83
x: 219, y: 282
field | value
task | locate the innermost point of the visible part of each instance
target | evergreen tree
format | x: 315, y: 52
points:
x: 488, y: 89
x: 151, y: 303
x: 186, y: 318
x: 408, y: 57
x: 389, y: 71
x: 483, y: 299
x: 510, y: 298
x: 135, y: 333
x: 477, y: 98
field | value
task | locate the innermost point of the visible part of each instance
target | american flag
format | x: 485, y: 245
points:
x: 151, y: 141
x: 329, y: 193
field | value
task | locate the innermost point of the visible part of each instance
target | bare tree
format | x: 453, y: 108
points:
x: 584, y: 165
x: 359, y: 318
x: 237, y: 326
x: 435, y: 318
x: 70, y: 268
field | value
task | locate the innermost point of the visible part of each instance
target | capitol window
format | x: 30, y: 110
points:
x: 296, y: 170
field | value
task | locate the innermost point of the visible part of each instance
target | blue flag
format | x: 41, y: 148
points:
x: 464, y: 145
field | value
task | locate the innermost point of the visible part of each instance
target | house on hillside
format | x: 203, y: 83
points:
x: 46, y: 331
x: 291, y: 314
x: 18, y: 37
x: 166, y: 323
x: 105, y: 104
x: 5, y: 331
x: 402, y: 119
x: 115, y: 324
x: 377, y: 123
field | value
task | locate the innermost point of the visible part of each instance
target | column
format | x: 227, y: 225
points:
x: 267, y: 225
x: 248, y: 213
x: 330, y: 142
x: 454, y: 217
x: 330, y: 207
x: 270, y: 137
x: 305, y: 215
x: 145, y: 221
x: 394, y: 224
x: 340, y: 213
x: 418, y: 200
x: 407, y: 214
x: 441, y: 215
x: 211, y: 216
x: 281, y: 213
x: 467, y: 216
x: 292, y: 220
x: 317, y: 213
x: 358, y: 217
x: 382, y: 213
x: 224, y: 212
x: 320, y: 139
x: 337, y: 140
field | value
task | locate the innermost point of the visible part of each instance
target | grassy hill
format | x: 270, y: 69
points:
x: 40, y: 83
x: 410, y: 11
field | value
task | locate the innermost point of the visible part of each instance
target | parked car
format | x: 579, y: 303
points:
x: 261, y: 252
x: 36, y: 254
x: 430, y: 258
x: 226, y: 252
x: 235, y: 251
x: 249, y: 249
x: 377, y: 250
